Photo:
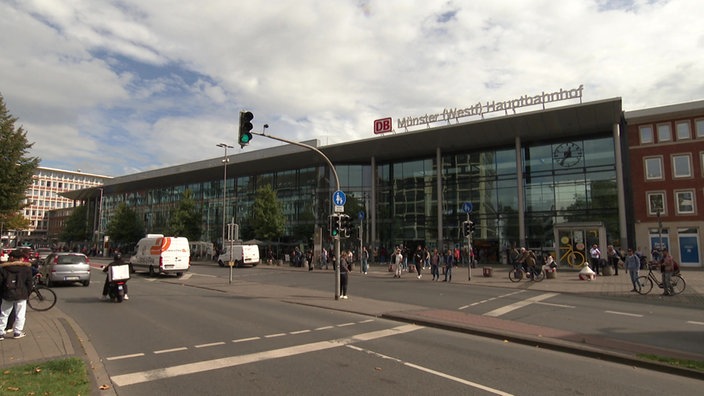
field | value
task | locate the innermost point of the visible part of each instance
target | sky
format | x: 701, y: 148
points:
x: 116, y: 87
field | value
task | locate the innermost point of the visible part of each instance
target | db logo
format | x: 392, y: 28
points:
x: 383, y: 125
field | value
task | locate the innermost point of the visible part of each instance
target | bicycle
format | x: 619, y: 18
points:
x: 41, y: 298
x: 518, y: 273
x: 645, y: 282
x: 573, y: 258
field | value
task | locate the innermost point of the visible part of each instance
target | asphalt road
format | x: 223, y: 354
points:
x: 176, y: 336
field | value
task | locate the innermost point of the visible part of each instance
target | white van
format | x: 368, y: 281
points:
x: 162, y: 255
x: 242, y: 255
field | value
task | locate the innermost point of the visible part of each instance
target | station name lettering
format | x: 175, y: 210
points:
x: 479, y: 109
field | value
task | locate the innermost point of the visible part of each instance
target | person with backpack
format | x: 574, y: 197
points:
x: 16, y: 280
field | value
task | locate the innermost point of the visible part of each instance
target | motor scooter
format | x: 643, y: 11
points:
x: 117, y: 280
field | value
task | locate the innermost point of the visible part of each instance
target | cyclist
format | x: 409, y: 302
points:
x: 16, y: 281
x: 531, y: 263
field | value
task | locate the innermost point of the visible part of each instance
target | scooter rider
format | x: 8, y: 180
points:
x: 117, y: 260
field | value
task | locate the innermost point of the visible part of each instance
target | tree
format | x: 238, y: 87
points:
x: 16, y: 168
x: 125, y: 227
x: 76, y: 227
x: 267, y: 219
x: 186, y: 220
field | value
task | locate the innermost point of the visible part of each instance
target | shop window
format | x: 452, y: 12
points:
x: 685, y: 202
x: 646, y: 134
x: 656, y: 203
x: 682, y: 130
x: 653, y: 168
x: 681, y: 166
x: 664, y: 132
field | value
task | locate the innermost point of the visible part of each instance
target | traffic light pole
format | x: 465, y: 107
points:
x: 337, y: 188
x: 469, y: 249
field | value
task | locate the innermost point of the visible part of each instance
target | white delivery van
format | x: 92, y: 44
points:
x: 242, y: 255
x: 160, y: 254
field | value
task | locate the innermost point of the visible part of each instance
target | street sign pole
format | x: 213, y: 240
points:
x: 469, y: 252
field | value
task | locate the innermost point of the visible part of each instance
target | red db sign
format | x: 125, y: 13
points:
x: 383, y: 125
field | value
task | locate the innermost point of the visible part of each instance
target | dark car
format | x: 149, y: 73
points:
x: 66, y: 267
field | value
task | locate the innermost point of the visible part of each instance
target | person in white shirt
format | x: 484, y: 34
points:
x: 595, y: 258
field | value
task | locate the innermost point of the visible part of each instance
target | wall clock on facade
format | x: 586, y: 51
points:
x: 567, y: 154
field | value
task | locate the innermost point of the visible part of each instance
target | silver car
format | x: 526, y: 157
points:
x: 66, y: 267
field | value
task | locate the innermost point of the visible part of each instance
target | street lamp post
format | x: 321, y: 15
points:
x: 224, y: 189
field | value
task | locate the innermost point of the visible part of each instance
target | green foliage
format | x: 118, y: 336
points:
x: 267, y: 219
x: 76, y: 227
x: 56, y: 377
x: 125, y: 227
x: 16, y: 168
x: 186, y: 219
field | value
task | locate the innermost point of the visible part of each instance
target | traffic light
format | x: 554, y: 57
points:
x: 467, y: 227
x: 345, y: 226
x: 471, y: 227
x: 334, y: 225
x: 245, y: 134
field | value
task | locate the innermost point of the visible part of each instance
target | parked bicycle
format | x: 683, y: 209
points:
x: 534, y: 273
x: 41, y: 298
x: 645, y: 282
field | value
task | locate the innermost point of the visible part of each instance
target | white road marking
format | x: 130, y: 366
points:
x: 491, y: 299
x: 431, y: 371
x: 556, y: 305
x: 216, y: 364
x: 275, y: 335
x: 520, y: 304
x: 300, y: 332
x: 346, y: 324
x: 125, y: 356
x: 212, y: 344
x: 624, y: 314
x: 171, y: 350
x: 695, y: 323
x: 246, y: 339
x: 324, y: 328
x: 186, y: 276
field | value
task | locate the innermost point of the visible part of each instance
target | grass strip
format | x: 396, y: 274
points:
x: 56, y: 377
x: 690, y: 364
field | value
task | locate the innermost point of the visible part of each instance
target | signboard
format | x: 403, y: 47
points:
x: 339, y: 198
x: 467, y: 207
x: 383, y: 125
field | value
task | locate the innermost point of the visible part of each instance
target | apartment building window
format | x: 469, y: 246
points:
x: 682, y: 130
x: 681, y: 166
x: 685, y: 201
x: 656, y: 203
x: 699, y: 127
x: 664, y: 132
x: 646, y: 134
x: 653, y: 168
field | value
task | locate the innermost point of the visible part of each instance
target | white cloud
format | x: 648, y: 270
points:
x: 101, y: 85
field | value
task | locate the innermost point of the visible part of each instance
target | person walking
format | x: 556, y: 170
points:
x: 16, y: 283
x: 667, y: 268
x: 397, y: 260
x: 418, y: 260
x: 434, y: 265
x: 365, y: 260
x: 595, y: 257
x: 632, y: 266
x: 448, y: 261
x: 345, y: 269
x: 614, y: 257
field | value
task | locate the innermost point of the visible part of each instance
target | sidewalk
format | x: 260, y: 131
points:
x: 52, y: 334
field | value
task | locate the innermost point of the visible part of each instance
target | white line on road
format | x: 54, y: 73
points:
x: 695, y: 323
x: 324, y: 328
x: 171, y: 350
x: 275, y: 335
x: 300, y: 332
x: 624, y: 314
x: 215, y: 364
x: 346, y: 324
x: 431, y: 371
x: 520, y: 304
x: 491, y: 299
x: 246, y: 339
x: 125, y: 356
x: 212, y: 344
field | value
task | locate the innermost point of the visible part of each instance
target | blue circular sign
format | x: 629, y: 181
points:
x: 339, y: 198
x: 360, y: 215
x: 467, y: 207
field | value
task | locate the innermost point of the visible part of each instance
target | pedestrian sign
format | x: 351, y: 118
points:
x: 339, y: 198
